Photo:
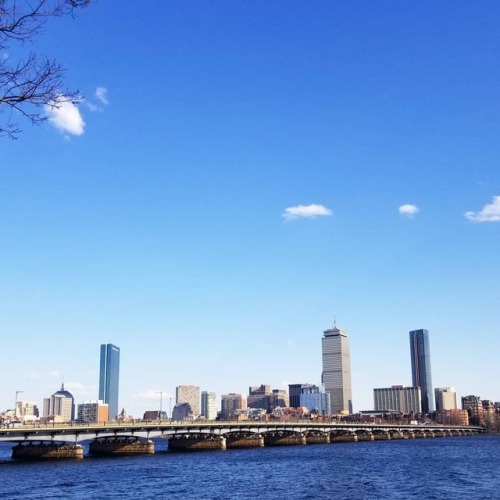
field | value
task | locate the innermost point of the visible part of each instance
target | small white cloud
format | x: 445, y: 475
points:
x: 101, y: 93
x: 153, y: 394
x: 489, y: 213
x: 54, y: 373
x: 65, y: 116
x: 306, y: 212
x: 408, y: 210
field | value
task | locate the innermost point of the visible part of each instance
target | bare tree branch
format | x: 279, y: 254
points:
x: 27, y: 86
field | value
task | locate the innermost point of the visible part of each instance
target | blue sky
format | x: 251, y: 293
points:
x: 241, y: 172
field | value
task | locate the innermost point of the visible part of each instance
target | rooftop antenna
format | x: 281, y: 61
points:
x: 334, y: 321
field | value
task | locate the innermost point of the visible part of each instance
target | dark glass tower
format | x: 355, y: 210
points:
x: 421, y: 367
x: 109, y: 376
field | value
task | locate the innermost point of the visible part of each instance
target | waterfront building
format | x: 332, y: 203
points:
x: 278, y: 399
x: 60, y: 407
x: 155, y: 415
x: 93, y: 411
x: 474, y: 407
x: 446, y: 398
x: 421, y: 367
x: 183, y: 411
x: 314, y: 399
x: 336, y: 375
x: 189, y: 394
x: 258, y: 397
x: 231, y: 404
x: 397, y: 399
x: 452, y: 417
x: 209, y: 405
x: 109, y: 378
x: 294, y: 392
x: 26, y: 410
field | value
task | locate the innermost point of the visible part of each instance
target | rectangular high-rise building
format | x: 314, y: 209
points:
x: 421, y: 367
x: 209, y: 405
x: 446, y: 398
x: 397, y: 399
x: 189, y: 394
x: 109, y: 377
x: 336, y: 375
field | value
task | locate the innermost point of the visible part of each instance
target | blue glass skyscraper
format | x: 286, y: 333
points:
x: 421, y: 367
x: 109, y: 376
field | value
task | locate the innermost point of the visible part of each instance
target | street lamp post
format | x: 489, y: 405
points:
x: 161, y: 403
x: 15, y: 404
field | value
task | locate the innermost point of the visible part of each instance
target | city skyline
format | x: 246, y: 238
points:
x: 244, y: 172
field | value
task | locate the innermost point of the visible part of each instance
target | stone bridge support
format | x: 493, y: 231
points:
x: 347, y: 437
x: 121, y: 446
x: 366, y: 436
x: 46, y: 451
x: 284, y: 438
x: 382, y: 436
x: 314, y: 438
x: 238, y: 441
x: 196, y: 443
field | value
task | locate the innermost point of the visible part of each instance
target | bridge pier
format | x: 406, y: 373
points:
x: 344, y: 438
x: 382, y: 436
x: 121, y: 446
x: 284, y: 439
x: 312, y: 438
x: 366, y: 436
x: 196, y: 443
x: 47, y: 451
x: 254, y: 441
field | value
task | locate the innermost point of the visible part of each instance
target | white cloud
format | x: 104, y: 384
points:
x: 153, y: 394
x: 489, y: 213
x: 65, y: 116
x: 306, y: 212
x: 408, y: 210
x: 101, y: 93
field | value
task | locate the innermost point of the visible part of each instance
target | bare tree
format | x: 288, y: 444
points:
x: 27, y: 85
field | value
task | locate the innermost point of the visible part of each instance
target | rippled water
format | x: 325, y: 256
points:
x: 446, y: 468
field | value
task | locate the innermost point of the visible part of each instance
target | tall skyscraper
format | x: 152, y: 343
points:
x: 109, y: 377
x: 336, y: 375
x: 421, y: 367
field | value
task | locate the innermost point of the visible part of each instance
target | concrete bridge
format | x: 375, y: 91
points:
x: 49, y: 441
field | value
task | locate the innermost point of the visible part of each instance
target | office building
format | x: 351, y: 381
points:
x: 209, y: 405
x: 398, y: 399
x: 60, y: 407
x: 231, y: 405
x: 314, y: 399
x: 109, y: 377
x: 446, y: 398
x: 189, y: 394
x: 421, y: 367
x: 294, y: 392
x: 474, y: 407
x: 258, y: 397
x: 277, y: 399
x: 26, y: 410
x: 183, y: 411
x: 336, y: 375
x: 93, y: 411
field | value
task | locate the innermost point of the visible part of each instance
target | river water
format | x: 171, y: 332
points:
x: 439, y: 468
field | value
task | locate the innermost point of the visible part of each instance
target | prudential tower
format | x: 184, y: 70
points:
x: 336, y: 375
